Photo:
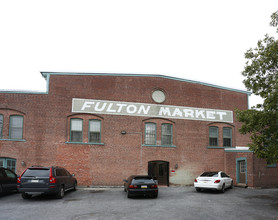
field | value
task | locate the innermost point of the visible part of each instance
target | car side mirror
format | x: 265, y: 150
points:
x: 125, y: 180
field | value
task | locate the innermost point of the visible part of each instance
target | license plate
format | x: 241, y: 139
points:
x: 144, y: 187
x: 34, y: 181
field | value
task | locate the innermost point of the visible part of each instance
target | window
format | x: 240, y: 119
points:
x: 213, y: 136
x: 166, y: 134
x: 16, y: 127
x: 150, y: 133
x: 227, y: 137
x: 224, y: 175
x: 85, y: 129
x: 1, y: 125
x: 10, y: 174
x: 76, y: 131
x: 94, y: 131
x: 8, y: 163
x: 242, y: 166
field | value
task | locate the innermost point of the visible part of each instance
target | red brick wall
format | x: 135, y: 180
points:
x: 46, y: 129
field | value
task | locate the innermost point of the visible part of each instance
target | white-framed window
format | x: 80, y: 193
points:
x: 76, y: 130
x: 242, y: 166
x: 166, y: 134
x: 16, y: 127
x: 94, y: 131
x: 150, y: 133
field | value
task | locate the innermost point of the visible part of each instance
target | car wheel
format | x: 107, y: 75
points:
x: 223, y: 188
x: 128, y: 195
x: 26, y: 196
x: 1, y: 190
x: 74, y: 186
x: 155, y: 196
x: 61, y: 193
x: 198, y: 189
x: 232, y: 185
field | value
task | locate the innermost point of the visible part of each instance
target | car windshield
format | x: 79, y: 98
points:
x: 210, y: 174
x: 144, y: 180
x: 36, y: 173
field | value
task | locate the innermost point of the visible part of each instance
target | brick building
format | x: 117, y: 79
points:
x: 105, y: 127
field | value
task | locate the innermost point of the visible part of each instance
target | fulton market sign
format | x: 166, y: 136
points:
x: 149, y: 110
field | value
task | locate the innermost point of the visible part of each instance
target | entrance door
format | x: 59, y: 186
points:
x: 160, y: 171
x: 241, y: 171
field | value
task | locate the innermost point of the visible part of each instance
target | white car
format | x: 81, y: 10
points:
x: 213, y: 180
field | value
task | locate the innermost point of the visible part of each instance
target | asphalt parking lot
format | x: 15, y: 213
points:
x: 172, y: 203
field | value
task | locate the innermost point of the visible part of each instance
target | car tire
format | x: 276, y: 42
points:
x: 26, y: 196
x: 198, y: 189
x: 1, y: 189
x: 223, y: 188
x: 74, y: 186
x: 128, y: 195
x: 61, y: 193
x: 232, y: 185
x: 155, y: 196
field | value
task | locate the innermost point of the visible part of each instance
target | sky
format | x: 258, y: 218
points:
x: 197, y: 40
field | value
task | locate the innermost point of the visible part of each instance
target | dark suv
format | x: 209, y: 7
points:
x: 48, y: 180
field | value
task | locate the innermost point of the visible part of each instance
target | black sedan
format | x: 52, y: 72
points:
x: 141, y: 185
x: 8, y: 180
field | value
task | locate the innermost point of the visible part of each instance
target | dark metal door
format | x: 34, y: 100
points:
x: 160, y: 171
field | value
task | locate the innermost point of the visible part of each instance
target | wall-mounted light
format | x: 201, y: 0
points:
x: 176, y: 166
x: 23, y: 163
x: 123, y: 132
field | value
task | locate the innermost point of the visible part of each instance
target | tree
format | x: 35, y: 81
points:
x: 261, y: 72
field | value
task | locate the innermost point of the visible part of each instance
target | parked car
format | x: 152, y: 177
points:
x: 47, y: 180
x: 7, y: 180
x: 141, y: 185
x: 213, y: 180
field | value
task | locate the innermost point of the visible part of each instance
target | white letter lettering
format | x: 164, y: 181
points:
x: 87, y: 105
x: 164, y: 111
x: 129, y: 110
x: 100, y: 109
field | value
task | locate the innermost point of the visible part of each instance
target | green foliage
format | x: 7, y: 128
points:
x: 261, y: 72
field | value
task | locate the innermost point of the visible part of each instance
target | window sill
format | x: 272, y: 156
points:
x: 19, y: 140
x: 170, y: 146
x: 215, y: 147
x: 68, y: 142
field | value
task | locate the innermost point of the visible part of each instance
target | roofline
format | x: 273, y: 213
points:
x: 47, y: 74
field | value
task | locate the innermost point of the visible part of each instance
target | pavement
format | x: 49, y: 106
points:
x: 172, y: 203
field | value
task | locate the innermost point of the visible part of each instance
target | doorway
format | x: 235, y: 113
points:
x: 241, y: 171
x: 160, y: 171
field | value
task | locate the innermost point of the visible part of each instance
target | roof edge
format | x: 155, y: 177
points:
x: 47, y: 74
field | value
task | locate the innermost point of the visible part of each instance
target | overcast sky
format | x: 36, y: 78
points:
x: 199, y: 40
